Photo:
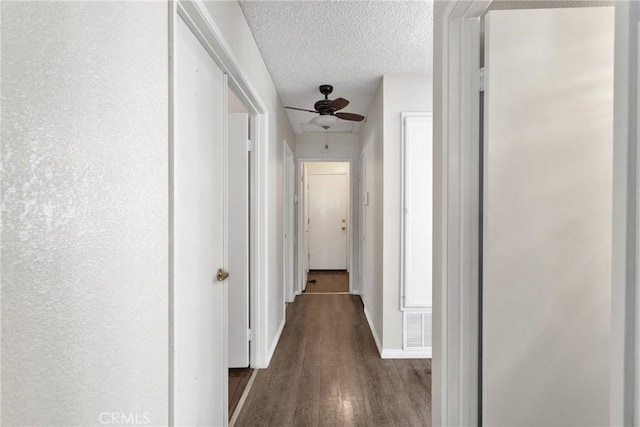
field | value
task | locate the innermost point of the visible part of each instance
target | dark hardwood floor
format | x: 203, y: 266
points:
x: 327, y: 281
x: 238, y: 380
x: 326, y: 371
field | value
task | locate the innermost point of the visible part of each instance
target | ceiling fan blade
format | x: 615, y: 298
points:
x: 338, y: 104
x: 350, y: 116
x: 301, y: 109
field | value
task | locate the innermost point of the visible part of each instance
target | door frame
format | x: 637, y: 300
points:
x: 456, y: 281
x: 625, y: 298
x: 200, y: 22
x: 361, y: 198
x: 289, y: 190
x: 301, y: 211
x: 457, y: 287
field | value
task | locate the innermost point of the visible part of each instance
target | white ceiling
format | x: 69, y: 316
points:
x: 348, y: 44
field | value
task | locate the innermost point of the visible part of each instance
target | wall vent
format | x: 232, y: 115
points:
x: 417, y: 330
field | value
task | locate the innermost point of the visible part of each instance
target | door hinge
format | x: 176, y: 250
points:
x: 249, y: 335
x: 480, y: 79
x: 249, y: 145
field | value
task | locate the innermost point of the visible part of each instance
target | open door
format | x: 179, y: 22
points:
x: 199, y: 296
x: 548, y: 118
x: 238, y: 214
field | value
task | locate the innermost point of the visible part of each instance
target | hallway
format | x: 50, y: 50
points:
x: 331, y: 282
x: 326, y: 371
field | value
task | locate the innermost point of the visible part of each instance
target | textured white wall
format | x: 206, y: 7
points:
x: 235, y: 31
x: 84, y: 212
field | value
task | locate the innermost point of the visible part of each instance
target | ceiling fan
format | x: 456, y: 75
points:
x: 327, y: 110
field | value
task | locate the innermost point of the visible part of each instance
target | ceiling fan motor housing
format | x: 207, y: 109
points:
x: 322, y: 106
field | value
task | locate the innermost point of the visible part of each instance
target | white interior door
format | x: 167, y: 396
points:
x: 547, y: 216
x: 199, y: 359
x: 327, y: 222
x: 289, y: 212
x: 238, y: 214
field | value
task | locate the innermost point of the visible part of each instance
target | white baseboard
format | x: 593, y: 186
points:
x: 274, y: 344
x: 373, y: 331
x: 406, y: 354
x: 355, y: 292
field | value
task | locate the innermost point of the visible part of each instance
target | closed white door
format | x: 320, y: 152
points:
x: 238, y: 214
x: 327, y: 223
x: 199, y: 319
x: 548, y: 138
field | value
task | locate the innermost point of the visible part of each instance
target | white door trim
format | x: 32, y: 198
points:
x: 300, y: 214
x: 361, y: 198
x: 198, y: 19
x: 456, y: 298
x: 289, y: 189
x: 624, y: 405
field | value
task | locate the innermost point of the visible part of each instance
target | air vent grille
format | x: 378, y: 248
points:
x: 417, y: 330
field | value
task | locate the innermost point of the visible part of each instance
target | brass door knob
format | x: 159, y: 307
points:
x: 222, y: 275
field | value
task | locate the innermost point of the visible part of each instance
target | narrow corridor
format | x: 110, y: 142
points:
x: 326, y: 370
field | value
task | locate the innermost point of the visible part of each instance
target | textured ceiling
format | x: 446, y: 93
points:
x: 349, y: 44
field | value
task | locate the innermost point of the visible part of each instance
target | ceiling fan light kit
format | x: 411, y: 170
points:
x: 324, y: 121
x: 326, y: 108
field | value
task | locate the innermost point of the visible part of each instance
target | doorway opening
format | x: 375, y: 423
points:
x: 239, y: 216
x: 325, y: 247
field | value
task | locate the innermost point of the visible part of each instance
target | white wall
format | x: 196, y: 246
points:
x: 342, y: 146
x: 371, y: 137
x: 547, y: 216
x: 406, y: 93
x: 235, y: 31
x: 327, y: 168
x: 380, y: 139
x: 84, y: 224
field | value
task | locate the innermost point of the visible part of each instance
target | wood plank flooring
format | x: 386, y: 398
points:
x: 238, y: 380
x: 327, y: 281
x: 326, y: 371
